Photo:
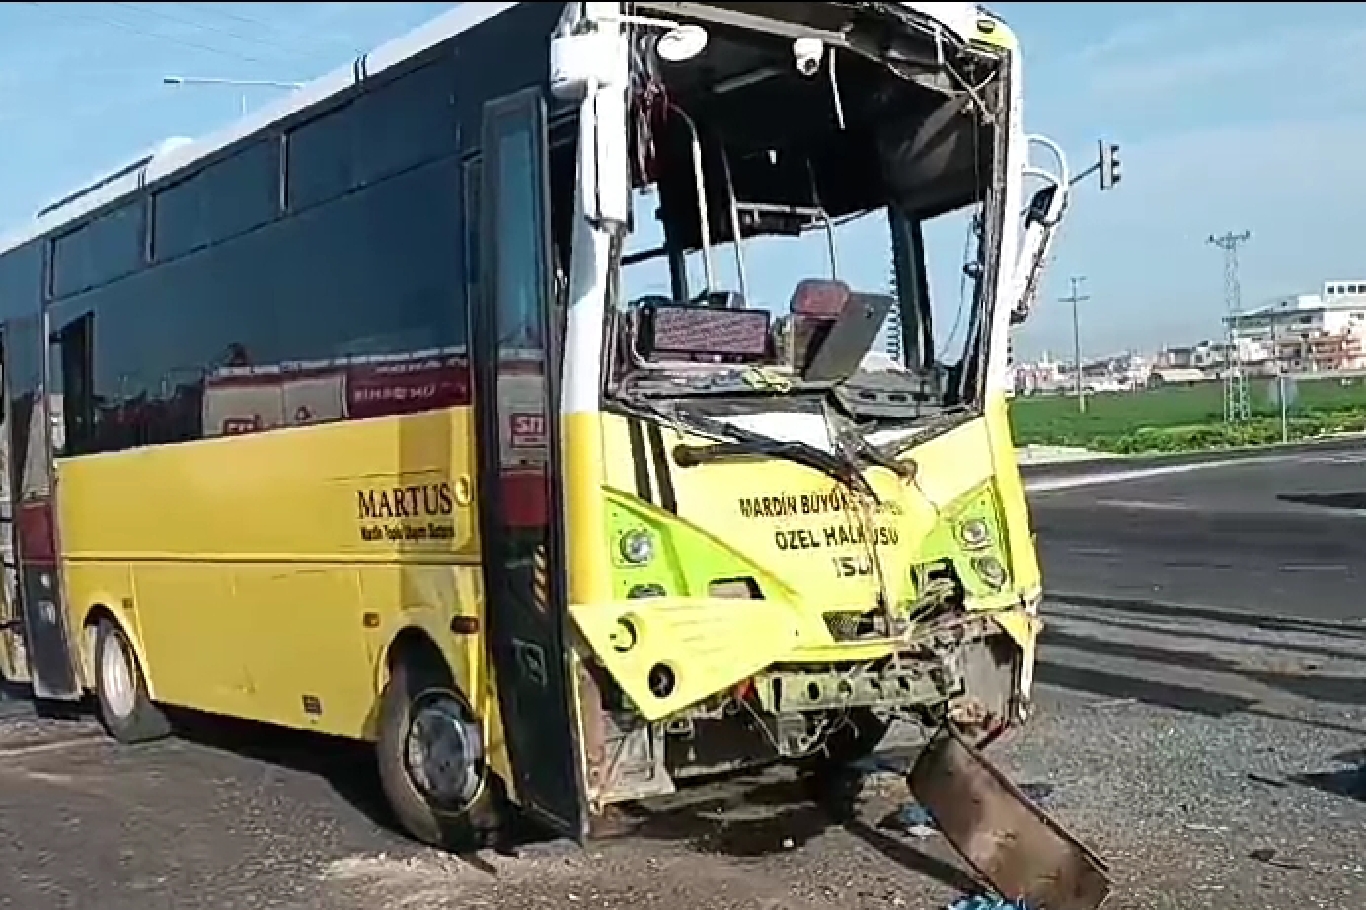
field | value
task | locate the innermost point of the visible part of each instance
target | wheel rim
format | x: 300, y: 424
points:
x: 444, y: 752
x: 116, y: 679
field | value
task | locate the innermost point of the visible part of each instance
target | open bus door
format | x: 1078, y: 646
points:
x: 13, y: 653
x: 28, y: 394
x: 515, y: 350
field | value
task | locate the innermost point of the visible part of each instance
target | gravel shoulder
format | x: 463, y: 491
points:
x: 1209, y: 760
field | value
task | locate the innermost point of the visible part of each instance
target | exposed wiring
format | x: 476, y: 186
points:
x: 972, y: 91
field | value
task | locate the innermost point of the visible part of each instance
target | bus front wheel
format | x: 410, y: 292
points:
x: 431, y: 761
x: 126, y: 710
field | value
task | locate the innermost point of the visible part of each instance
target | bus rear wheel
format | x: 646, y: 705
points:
x: 125, y: 708
x: 432, y: 762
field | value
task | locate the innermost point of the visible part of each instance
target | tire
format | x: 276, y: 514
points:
x: 125, y: 709
x: 467, y: 823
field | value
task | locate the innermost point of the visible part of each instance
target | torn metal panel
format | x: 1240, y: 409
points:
x: 1024, y: 854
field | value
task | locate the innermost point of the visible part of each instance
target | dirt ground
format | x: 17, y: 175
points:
x: 1209, y: 762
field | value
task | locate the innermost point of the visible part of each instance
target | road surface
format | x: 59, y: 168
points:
x: 1282, y: 535
x: 1200, y: 715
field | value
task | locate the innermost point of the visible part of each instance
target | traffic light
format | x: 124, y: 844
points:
x: 1109, y: 165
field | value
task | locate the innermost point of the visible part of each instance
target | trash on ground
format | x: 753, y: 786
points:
x: 1212, y: 829
x: 1037, y: 793
x: 1017, y: 848
x: 914, y: 815
x: 1269, y: 781
x: 881, y: 763
x: 1268, y: 856
x: 986, y: 902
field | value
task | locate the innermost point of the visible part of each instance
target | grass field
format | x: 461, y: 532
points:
x: 1181, y: 418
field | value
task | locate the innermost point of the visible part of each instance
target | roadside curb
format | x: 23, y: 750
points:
x: 1081, y: 465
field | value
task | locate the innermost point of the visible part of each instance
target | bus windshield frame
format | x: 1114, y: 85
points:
x: 843, y: 153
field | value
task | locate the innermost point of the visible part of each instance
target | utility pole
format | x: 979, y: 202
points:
x: 1075, y: 298
x: 1237, y: 407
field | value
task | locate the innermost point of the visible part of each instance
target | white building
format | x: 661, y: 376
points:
x: 1307, y: 332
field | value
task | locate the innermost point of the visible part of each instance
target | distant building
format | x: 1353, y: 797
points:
x: 1102, y: 374
x: 1306, y: 333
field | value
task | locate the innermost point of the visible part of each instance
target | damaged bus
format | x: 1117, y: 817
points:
x: 562, y: 397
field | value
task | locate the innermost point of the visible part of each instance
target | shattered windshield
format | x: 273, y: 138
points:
x: 861, y: 251
x: 871, y: 189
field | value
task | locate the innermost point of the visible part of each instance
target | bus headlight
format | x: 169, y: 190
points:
x: 637, y: 547
x: 974, y: 533
x: 990, y: 570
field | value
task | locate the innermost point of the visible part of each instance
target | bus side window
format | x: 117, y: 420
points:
x: 70, y: 369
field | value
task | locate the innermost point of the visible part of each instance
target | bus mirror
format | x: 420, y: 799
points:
x: 604, y: 186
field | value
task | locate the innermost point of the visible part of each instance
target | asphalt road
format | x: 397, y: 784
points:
x: 1200, y: 719
x: 1283, y: 535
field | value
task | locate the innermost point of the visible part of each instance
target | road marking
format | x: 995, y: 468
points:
x: 1314, y: 567
x: 53, y: 746
x: 1359, y: 458
x: 1143, y: 505
x: 1050, y: 484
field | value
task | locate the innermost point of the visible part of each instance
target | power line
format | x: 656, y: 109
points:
x: 292, y: 34
x: 204, y: 26
x: 81, y: 15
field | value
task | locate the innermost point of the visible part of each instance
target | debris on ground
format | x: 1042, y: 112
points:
x: 985, y: 902
x: 1001, y: 832
x: 1037, y: 793
x: 916, y: 820
x: 1264, y: 779
x: 1268, y: 856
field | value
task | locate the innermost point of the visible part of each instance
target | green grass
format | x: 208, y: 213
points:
x: 1186, y: 418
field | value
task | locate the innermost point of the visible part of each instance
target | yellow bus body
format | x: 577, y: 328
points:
x: 237, y: 566
x: 274, y: 574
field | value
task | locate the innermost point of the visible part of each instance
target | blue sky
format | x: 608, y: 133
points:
x: 1229, y: 117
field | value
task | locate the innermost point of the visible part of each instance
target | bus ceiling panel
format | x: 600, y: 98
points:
x: 897, y: 141
x: 908, y: 30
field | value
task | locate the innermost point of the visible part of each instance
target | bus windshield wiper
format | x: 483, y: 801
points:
x: 856, y: 447
x: 736, y: 442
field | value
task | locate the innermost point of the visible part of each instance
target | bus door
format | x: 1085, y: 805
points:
x: 13, y: 659
x: 32, y: 485
x: 514, y: 347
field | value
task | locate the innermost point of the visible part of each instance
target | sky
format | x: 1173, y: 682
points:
x: 1229, y: 116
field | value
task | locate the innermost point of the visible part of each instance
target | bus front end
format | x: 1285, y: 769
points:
x: 794, y: 513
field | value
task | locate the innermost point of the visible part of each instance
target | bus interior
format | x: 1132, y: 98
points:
x: 752, y: 140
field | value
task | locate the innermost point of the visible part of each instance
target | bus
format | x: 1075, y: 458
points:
x: 557, y: 397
